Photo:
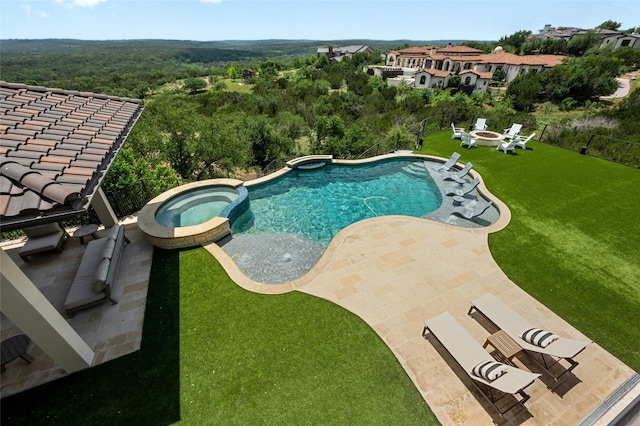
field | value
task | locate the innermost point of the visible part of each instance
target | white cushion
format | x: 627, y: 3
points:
x: 539, y: 337
x: 489, y: 370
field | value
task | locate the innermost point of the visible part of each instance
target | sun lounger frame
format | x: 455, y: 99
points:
x: 530, y: 349
x: 493, y: 399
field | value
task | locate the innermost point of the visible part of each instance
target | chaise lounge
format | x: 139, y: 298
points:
x: 527, y: 336
x: 96, y: 276
x: 469, y: 212
x: 449, y: 164
x: 465, y: 189
x: 478, y: 363
x: 459, y: 175
x: 42, y: 239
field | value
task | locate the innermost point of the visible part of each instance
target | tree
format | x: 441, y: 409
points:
x: 266, y: 143
x: 232, y: 73
x: 524, y: 91
x: 514, y: 41
x: 584, y: 78
x: 128, y: 170
x: 328, y: 129
x: 194, y: 84
x: 499, y: 75
x: 578, y: 45
x: 610, y: 25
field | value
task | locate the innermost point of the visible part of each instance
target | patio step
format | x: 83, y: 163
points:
x: 415, y: 169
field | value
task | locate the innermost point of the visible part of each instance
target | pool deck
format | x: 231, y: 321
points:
x: 394, y: 272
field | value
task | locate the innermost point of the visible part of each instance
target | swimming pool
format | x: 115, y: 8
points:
x: 292, y: 219
x: 316, y: 204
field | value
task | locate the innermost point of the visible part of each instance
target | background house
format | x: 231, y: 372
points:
x: 338, y: 53
x: 433, y: 66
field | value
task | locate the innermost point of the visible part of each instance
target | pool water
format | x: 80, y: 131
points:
x: 195, y: 207
x: 316, y: 204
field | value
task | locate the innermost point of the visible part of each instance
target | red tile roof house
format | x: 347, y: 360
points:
x: 430, y: 62
x: 55, y: 148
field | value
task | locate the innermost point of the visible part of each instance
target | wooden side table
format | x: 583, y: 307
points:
x: 15, y: 347
x: 506, y: 347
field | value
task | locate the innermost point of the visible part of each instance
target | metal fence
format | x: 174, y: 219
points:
x: 600, y: 146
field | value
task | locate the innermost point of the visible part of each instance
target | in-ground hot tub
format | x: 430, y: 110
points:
x: 193, y: 214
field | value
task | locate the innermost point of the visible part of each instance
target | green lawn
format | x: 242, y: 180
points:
x: 213, y: 353
x: 573, y: 242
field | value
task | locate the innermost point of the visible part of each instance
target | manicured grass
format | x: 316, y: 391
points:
x: 573, y: 242
x: 213, y: 353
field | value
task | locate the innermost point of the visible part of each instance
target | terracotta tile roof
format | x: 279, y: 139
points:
x: 485, y: 75
x: 459, y: 50
x: 436, y: 73
x: 55, y: 148
x: 507, y: 58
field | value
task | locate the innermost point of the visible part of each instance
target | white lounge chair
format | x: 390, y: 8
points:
x: 469, y: 354
x: 508, y: 320
x: 458, y: 176
x: 507, y: 146
x: 467, y: 140
x: 449, y: 164
x: 512, y: 131
x: 481, y: 124
x: 457, y: 131
x: 522, y: 142
x: 464, y: 189
x: 469, y: 212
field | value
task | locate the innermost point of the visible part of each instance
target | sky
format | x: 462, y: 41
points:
x: 211, y: 20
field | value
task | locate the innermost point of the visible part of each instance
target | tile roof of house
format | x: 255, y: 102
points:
x: 55, y: 148
x: 485, y: 75
x: 436, y: 73
x: 458, y: 50
x: 511, y: 59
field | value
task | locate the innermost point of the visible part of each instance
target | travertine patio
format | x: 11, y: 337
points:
x: 394, y: 272
x: 110, y: 330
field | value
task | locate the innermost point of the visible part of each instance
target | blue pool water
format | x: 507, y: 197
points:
x: 315, y: 205
x: 196, y: 206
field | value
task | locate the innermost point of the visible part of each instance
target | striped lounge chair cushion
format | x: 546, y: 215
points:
x: 489, y: 370
x: 539, y: 337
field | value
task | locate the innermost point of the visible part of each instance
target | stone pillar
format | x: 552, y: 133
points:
x: 103, y: 209
x: 31, y: 312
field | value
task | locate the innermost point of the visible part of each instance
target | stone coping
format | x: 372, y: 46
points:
x: 185, y: 236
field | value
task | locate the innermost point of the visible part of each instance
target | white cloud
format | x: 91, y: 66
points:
x: 211, y: 1
x: 26, y: 8
x: 80, y: 3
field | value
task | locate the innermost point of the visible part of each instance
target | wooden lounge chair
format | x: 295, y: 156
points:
x: 469, y: 354
x: 506, y: 319
x: 481, y: 124
x: 469, y: 212
x: 522, y: 142
x: 464, y: 189
x: 512, y: 131
x: 507, y: 146
x: 457, y: 131
x: 468, y: 141
x: 449, y: 164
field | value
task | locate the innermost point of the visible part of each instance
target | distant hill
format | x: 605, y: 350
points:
x: 245, y: 48
x: 127, y: 67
